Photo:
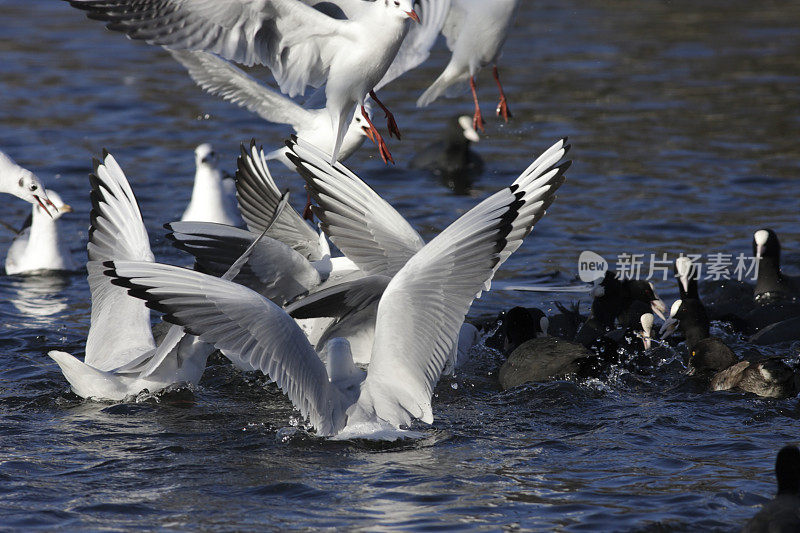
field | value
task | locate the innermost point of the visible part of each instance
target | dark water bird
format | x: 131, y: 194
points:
x: 772, y: 285
x: 618, y: 300
x: 533, y: 354
x: 782, y: 513
x: 451, y: 158
x: 707, y: 355
x: 713, y: 360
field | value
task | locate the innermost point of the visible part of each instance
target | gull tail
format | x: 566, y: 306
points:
x: 340, y: 126
x: 87, y: 381
x: 451, y: 75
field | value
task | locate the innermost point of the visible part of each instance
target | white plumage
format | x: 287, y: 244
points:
x: 121, y: 356
x: 418, y: 318
x: 41, y: 246
x: 213, y: 197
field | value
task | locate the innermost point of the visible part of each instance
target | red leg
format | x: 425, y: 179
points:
x: 502, y: 107
x: 390, y: 123
x: 382, y: 148
x: 477, y: 120
x: 308, y: 214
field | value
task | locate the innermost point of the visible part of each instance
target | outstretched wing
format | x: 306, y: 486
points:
x: 423, y: 307
x: 285, y: 35
x: 368, y: 230
x: 273, y: 269
x: 248, y: 328
x: 120, y: 325
x: 221, y: 78
x: 258, y: 198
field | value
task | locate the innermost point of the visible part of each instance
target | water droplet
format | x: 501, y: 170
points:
x: 454, y: 385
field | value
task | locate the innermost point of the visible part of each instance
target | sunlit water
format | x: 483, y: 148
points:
x: 684, y: 123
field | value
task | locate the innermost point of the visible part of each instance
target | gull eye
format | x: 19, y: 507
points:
x: 397, y: 4
x: 33, y: 187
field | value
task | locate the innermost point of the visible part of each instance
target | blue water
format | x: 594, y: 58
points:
x: 684, y: 119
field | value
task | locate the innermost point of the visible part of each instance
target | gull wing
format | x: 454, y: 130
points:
x: 120, y: 325
x: 368, y: 230
x: 422, y: 309
x: 341, y: 299
x: 273, y: 269
x: 287, y: 36
x: 258, y: 198
x: 249, y: 329
x: 221, y: 78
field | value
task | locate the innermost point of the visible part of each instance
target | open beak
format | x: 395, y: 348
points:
x: 668, y: 328
x: 413, y: 16
x: 659, y: 308
x: 368, y: 133
x: 43, y: 201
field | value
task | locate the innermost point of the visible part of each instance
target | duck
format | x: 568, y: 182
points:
x: 213, y: 195
x: 122, y: 358
x: 782, y: 513
x: 451, y: 157
x: 40, y: 247
x: 22, y: 183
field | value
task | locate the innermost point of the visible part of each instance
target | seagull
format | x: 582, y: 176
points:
x: 220, y: 77
x: 122, y: 358
x: 22, y: 183
x: 374, y: 236
x: 476, y: 31
x: 301, y: 45
x: 418, y: 318
x: 39, y: 245
x: 213, y: 197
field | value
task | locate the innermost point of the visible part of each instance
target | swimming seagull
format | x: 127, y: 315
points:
x: 220, y: 77
x: 22, y: 183
x: 418, y: 319
x: 301, y: 45
x: 476, y: 31
x: 121, y: 356
x: 40, y: 246
x: 213, y: 196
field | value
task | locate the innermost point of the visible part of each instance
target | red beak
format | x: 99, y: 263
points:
x: 46, y: 199
x: 413, y: 16
x: 368, y: 133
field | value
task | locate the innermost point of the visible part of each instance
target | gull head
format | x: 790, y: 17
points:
x: 403, y: 8
x: 29, y: 188
x: 205, y: 155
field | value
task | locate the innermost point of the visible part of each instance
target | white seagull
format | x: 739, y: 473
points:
x: 40, y: 246
x: 374, y: 236
x: 22, y: 183
x: 301, y: 45
x: 213, y: 196
x: 122, y: 358
x: 418, y: 319
x: 220, y: 77
x: 476, y: 31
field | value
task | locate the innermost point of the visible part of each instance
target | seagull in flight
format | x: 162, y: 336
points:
x: 476, y: 31
x: 301, y: 45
